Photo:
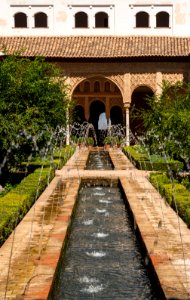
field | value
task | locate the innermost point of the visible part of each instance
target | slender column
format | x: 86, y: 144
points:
x: 107, y: 107
x: 127, y: 136
x: 86, y: 109
x: 127, y: 95
x: 67, y: 128
x: 108, y: 114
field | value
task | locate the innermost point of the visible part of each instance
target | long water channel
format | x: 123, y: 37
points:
x: 103, y: 258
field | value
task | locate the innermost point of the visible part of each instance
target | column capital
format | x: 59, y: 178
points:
x: 127, y: 105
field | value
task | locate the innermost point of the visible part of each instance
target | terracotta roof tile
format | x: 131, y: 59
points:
x: 96, y: 46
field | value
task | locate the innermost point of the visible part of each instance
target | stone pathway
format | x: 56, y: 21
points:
x: 28, y: 259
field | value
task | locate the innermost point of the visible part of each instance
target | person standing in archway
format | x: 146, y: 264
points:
x: 102, y: 128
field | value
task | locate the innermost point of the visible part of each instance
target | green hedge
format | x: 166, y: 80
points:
x: 175, y: 194
x: 143, y: 161
x: 15, y: 204
x: 58, y: 159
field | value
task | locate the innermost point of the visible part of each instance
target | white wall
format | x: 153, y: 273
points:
x: 121, y: 16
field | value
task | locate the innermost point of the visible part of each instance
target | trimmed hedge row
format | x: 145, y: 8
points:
x: 15, y: 204
x: 143, y: 161
x: 175, y: 194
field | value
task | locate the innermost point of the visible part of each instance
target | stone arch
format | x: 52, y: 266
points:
x: 143, y: 79
x: 91, y: 90
x: 115, y: 79
x: 141, y: 86
x: 139, y: 101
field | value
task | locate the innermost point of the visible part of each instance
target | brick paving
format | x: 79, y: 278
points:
x: 29, y: 257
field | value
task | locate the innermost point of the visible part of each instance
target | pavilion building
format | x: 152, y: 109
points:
x: 113, y: 52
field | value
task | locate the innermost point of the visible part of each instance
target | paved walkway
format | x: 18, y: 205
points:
x: 28, y: 259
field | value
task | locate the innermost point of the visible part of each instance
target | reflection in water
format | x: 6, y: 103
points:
x: 102, y: 260
x: 99, y: 160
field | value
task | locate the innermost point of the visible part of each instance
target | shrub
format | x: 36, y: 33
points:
x: 175, y: 194
x: 15, y: 204
x: 143, y: 161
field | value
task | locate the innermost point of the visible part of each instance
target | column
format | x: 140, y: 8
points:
x: 108, y: 114
x: 67, y: 128
x: 86, y: 109
x: 126, y: 104
x: 68, y: 81
x: 127, y: 136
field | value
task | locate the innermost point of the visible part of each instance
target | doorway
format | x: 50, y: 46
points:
x: 97, y: 108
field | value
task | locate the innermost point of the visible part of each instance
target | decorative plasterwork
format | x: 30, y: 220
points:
x: 118, y: 79
x: 172, y: 77
x: 92, y: 99
x: 116, y: 102
x: 75, y: 79
x: 145, y: 79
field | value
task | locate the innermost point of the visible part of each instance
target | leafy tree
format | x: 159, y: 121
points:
x: 33, y: 104
x: 167, y: 122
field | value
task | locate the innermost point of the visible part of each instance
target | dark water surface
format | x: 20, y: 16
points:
x: 99, y: 160
x: 103, y: 259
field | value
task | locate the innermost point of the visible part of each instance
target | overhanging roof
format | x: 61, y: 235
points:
x: 91, y: 47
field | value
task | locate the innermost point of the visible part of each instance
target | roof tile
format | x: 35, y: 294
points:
x: 96, y: 46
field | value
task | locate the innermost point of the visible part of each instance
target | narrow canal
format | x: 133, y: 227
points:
x: 103, y: 258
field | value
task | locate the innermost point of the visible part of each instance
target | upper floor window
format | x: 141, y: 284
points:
x: 162, y: 19
x: 142, y: 19
x: 81, y: 20
x: 20, y: 20
x: 101, y: 20
x: 40, y: 20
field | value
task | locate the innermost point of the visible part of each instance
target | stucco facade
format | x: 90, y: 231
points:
x: 113, y: 52
x: 121, y: 17
x: 119, y: 86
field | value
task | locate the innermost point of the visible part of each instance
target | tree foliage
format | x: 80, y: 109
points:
x: 167, y: 122
x: 33, y: 103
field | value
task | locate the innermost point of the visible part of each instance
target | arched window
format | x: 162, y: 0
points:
x: 86, y: 86
x: 20, y: 20
x: 96, y: 86
x: 81, y: 20
x: 40, y: 20
x: 162, y: 19
x: 142, y: 19
x: 107, y: 86
x: 101, y: 20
